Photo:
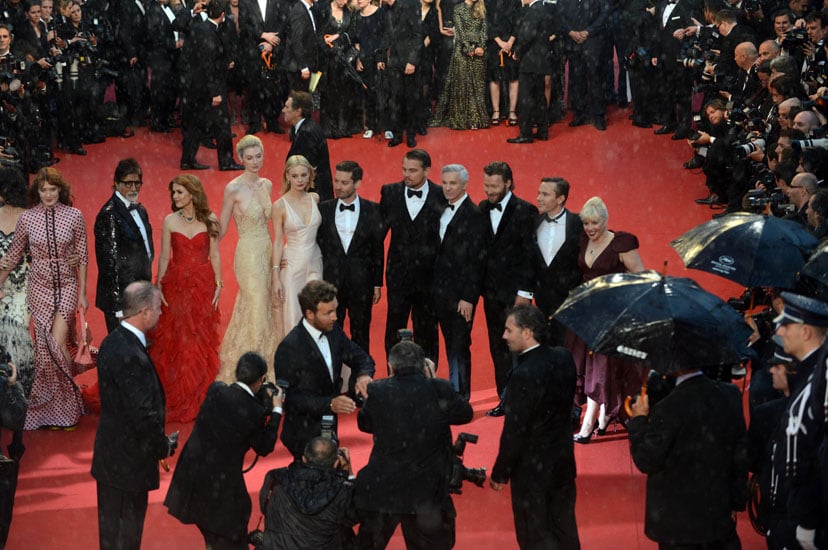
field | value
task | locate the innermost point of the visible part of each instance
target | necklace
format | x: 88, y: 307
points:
x: 191, y: 219
x: 593, y: 249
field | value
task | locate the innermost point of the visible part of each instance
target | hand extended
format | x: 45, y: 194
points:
x: 495, y: 485
x: 342, y: 404
x: 361, y: 386
x: 641, y: 407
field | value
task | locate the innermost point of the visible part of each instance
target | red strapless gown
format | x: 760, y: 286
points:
x: 185, y: 342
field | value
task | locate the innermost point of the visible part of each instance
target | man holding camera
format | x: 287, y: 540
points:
x: 310, y: 359
x: 536, y: 450
x: 308, y: 504
x: 407, y: 477
x: 208, y: 487
x: 130, y: 439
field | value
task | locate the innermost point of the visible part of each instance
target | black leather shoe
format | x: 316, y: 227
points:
x: 665, y: 130
x: 193, y: 166
x: 230, y: 167
x: 600, y: 124
x: 497, y: 411
x: 696, y: 162
x: 681, y: 134
x: 410, y: 141
x: 396, y: 140
x: 520, y: 139
x: 578, y: 121
x: 712, y: 198
x: 94, y: 138
x: 542, y: 137
x: 578, y: 438
x: 422, y: 130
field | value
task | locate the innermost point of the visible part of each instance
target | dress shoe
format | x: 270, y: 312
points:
x: 410, y: 141
x: 80, y: 151
x: 600, y: 124
x: 497, y: 411
x: 623, y: 103
x: 396, y: 140
x: 641, y: 124
x: 230, y: 167
x: 520, y: 139
x: 603, y: 431
x: 583, y: 439
x: 696, y: 162
x: 368, y: 134
x: 681, y: 134
x: 389, y: 135
x: 422, y: 130
x: 209, y: 143
x: 578, y: 121
x: 712, y: 198
x: 665, y: 130
x: 542, y: 136
x: 94, y: 138
x: 193, y: 166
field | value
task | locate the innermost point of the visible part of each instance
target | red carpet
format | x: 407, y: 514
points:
x: 638, y: 175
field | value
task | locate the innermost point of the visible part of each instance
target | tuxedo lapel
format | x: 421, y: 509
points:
x: 316, y: 354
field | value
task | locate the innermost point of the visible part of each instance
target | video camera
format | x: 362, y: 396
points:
x: 459, y: 472
x: 704, y: 47
x: 759, y: 200
x: 795, y: 38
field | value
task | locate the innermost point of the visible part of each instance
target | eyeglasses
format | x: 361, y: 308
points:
x: 136, y: 184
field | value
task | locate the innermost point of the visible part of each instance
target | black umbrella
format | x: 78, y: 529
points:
x: 750, y: 249
x: 817, y: 265
x: 670, y: 323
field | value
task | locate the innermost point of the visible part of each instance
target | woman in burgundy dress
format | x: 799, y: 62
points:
x: 185, y: 342
x: 606, y: 380
x: 54, y: 234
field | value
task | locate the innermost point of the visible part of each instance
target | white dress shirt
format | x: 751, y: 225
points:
x: 346, y: 222
x: 322, y: 343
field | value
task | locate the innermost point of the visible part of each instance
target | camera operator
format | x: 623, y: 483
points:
x: 818, y: 214
x: 12, y: 414
x: 733, y: 33
x: 806, y: 122
x: 799, y: 191
x: 406, y: 481
x: 308, y: 504
x: 208, y: 487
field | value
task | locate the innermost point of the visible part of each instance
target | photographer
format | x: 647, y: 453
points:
x: 208, y: 488
x: 308, y: 504
x: 798, y: 191
x: 407, y: 477
x: 12, y: 415
x: 818, y: 214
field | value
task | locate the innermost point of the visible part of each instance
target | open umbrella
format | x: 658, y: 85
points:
x: 817, y: 265
x: 670, y: 323
x: 750, y: 249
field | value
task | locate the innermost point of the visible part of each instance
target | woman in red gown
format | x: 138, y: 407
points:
x: 185, y: 342
x: 606, y: 380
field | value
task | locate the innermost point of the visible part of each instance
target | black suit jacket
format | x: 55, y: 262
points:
x: 409, y: 416
x: 693, y: 448
x: 403, y: 37
x: 310, y: 142
x: 252, y: 25
x: 414, y: 243
x: 584, y: 15
x: 532, y: 42
x: 299, y: 361
x: 361, y: 266
x: 553, y: 282
x: 536, y: 443
x: 680, y: 18
x: 302, y: 47
x: 208, y: 487
x: 120, y: 252
x: 130, y: 439
x: 509, y: 251
x: 206, y: 61
x: 458, y: 267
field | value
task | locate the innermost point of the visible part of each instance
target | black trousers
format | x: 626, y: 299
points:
x: 120, y: 518
x: 544, y: 515
x: 586, y: 84
x: 403, y: 100
x: 131, y: 91
x: 424, y: 531
x: 731, y: 542
x: 457, y: 336
x: 403, y: 303
x: 532, y: 104
x: 265, y: 94
x: 357, y: 304
x: 200, y: 120
x: 216, y: 541
x: 163, y: 82
x: 502, y: 358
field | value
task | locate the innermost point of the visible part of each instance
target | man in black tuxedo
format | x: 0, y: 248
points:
x: 411, y: 210
x: 164, y: 45
x: 458, y: 271
x: 129, y: 18
x: 584, y: 28
x: 310, y: 358
x: 555, y: 258
x: 302, y: 46
x: 204, y: 111
x: 402, y: 42
x: 532, y: 52
x: 308, y: 140
x: 123, y: 241
x: 352, y: 240
x: 406, y: 480
x: 130, y: 439
x: 262, y: 31
x: 536, y: 451
x: 207, y: 488
x: 508, y: 239
x: 693, y: 438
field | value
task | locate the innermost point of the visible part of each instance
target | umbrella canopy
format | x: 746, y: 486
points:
x: 817, y: 265
x: 670, y: 323
x: 750, y: 249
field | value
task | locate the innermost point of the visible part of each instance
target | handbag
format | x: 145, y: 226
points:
x: 83, y: 338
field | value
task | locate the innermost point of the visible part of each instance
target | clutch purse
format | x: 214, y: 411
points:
x: 83, y: 339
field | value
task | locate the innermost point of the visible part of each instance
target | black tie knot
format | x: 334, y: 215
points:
x: 132, y: 206
x: 450, y: 206
x: 413, y: 193
x: 497, y: 207
x: 344, y: 207
x: 550, y: 219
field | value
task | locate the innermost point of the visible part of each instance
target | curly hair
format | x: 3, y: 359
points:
x: 202, y: 208
x: 13, y: 187
x: 49, y: 176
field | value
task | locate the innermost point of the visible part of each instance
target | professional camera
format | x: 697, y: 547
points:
x: 758, y: 201
x: 795, y: 38
x: 802, y: 144
x: 265, y: 394
x: 750, y: 298
x: 745, y: 149
x: 327, y: 429
x: 459, y: 472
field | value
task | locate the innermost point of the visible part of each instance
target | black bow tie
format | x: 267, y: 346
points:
x: 497, y: 207
x: 550, y: 219
x: 343, y: 207
x: 412, y: 193
x: 132, y: 206
x: 450, y: 206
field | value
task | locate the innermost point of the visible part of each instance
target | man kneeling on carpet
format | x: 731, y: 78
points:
x: 208, y: 486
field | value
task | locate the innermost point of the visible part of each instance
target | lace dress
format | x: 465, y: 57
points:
x: 304, y: 259
x: 252, y: 326
x: 462, y: 104
x: 15, y: 318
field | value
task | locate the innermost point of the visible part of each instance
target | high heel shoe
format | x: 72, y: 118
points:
x: 584, y: 439
x: 513, y: 120
x: 495, y: 121
x: 603, y: 431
